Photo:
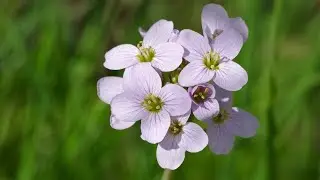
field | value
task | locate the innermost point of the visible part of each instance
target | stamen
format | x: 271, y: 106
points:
x: 152, y: 103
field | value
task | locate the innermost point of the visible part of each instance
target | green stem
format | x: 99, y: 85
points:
x: 166, y: 174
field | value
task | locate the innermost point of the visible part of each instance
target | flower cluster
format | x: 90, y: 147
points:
x: 172, y: 78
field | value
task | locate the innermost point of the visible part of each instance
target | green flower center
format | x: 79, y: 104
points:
x: 146, y: 54
x: 152, y: 103
x: 221, y: 117
x: 200, y: 94
x: 175, y: 127
x: 211, y: 60
x: 216, y: 33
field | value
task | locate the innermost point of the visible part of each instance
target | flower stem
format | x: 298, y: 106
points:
x: 166, y: 174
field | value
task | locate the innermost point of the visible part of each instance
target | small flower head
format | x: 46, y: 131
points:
x: 144, y: 98
x: 182, y: 136
x: 212, y: 61
x: 204, y: 103
x: 156, y: 49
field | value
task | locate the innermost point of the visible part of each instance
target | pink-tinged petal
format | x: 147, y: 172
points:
x: 176, y: 99
x: 214, y: 17
x: 183, y: 118
x: 242, y: 123
x: 109, y: 87
x: 169, y: 156
x: 228, y: 44
x: 195, y: 73
x: 195, y: 45
x: 231, y: 76
x: 121, y: 57
x: 119, y: 125
x: 168, y: 56
x: 142, y: 32
x: 159, y: 32
x: 142, y: 79
x: 239, y: 24
x: 127, y: 107
x: 220, y: 140
x: 205, y: 110
x: 155, y: 126
x: 193, y: 138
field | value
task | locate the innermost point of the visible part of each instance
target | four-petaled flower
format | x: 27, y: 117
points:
x: 155, y: 49
x: 204, y: 103
x: 230, y: 122
x: 182, y: 136
x: 215, y: 22
x: 212, y: 61
x: 143, y: 98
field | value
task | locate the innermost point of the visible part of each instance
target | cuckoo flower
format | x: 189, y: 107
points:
x: 182, y: 136
x: 155, y: 49
x: 215, y: 22
x: 204, y: 103
x: 144, y: 98
x: 212, y: 61
x: 108, y: 88
x: 230, y: 122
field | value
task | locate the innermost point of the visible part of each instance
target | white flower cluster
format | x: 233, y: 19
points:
x: 172, y: 75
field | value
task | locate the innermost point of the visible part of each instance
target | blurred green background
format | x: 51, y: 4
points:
x: 53, y: 126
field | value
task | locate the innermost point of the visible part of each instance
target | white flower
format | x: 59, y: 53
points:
x: 182, y: 136
x: 212, y: 61
x: 204, y: 104
x: 108, y: 88
x: 215, y: 22
x: 155, y: 49
x: 143, y: 98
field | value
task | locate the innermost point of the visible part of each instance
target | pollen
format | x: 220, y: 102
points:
x: 211, y: 60
x: 201, y: 94
x: 146, y: 53
x: 175, y: 127
x: 152, y: 103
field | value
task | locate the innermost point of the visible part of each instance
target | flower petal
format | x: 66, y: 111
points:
x: 169, y: 157
x: 142, y: 79
x: 127, y: 107
x: 183, y: 118
x: 159, y: 32
x: 109, y: 87
x: 193, y: 139
x: 231, y: 76
x: 213, y: 17
x: 206, y: 110
x: 155, y: 126
x: 195, y: 73
x: 239, y: 24
x: 195, y: 45
x: 220, y: 140
x: 119, y: 125
x: 121, y: 57
x: 142, y: 32
x: 228, y: 44
x: 224, y: 97
x: 174, y: 35
x: 168, y: 56
x: 176, y: 99
x: 242, y: 123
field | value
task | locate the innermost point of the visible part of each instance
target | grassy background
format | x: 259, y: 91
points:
x: 53, y: 126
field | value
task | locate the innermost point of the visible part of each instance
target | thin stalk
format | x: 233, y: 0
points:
x: 166, y: 174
